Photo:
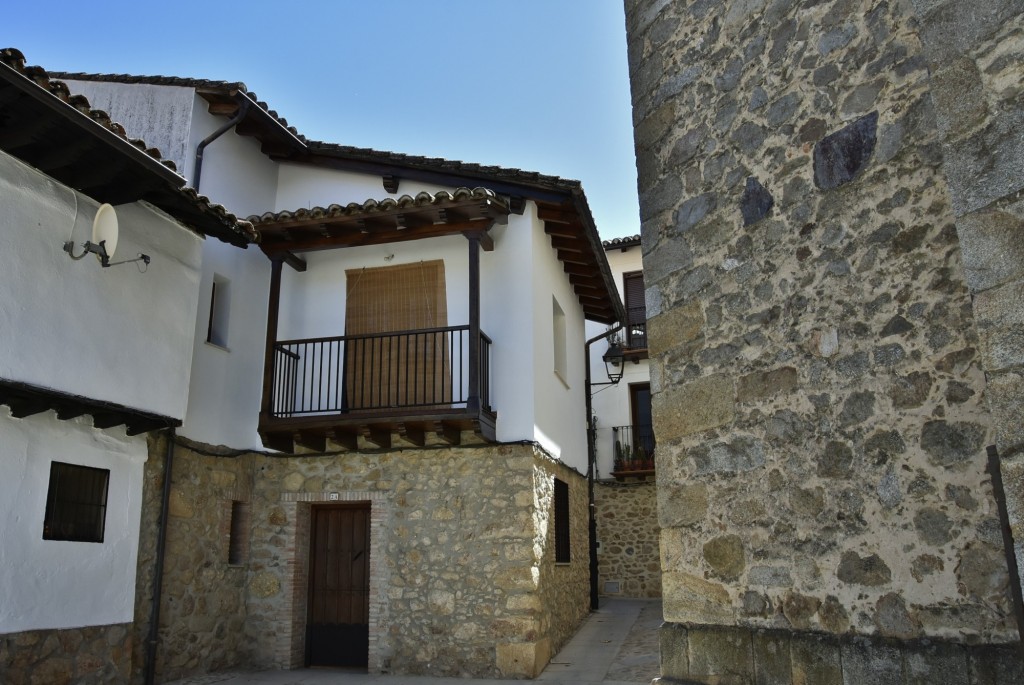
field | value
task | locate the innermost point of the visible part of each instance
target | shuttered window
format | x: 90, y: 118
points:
x: 76, y: 503
x: 636, y: 310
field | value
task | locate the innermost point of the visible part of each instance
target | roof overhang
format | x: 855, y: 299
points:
x: 25, y: 400
x: 46, y: 127
x: 373, y: 223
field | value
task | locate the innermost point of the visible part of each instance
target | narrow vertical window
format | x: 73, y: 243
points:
x: 217, y: 326
x: 562, y: 553
x: 238, y: 535
x: 76, y: 503
x: 559, y: 340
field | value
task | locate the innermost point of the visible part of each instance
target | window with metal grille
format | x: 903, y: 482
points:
x: 76, y: 503
x: 562, y: 554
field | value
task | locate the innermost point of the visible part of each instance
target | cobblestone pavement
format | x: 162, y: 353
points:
x: 618, y: 644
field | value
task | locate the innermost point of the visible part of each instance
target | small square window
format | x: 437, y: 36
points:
x: 220, y: 311
x: 562, y: 550
x: 559, y: 341
x: 76, y: 503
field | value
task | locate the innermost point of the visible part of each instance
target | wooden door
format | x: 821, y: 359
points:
x: 337, y: 631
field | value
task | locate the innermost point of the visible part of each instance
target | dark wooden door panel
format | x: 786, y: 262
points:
x: 339, y: 606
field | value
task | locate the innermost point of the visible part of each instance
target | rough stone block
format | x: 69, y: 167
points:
x: 697, y: 406
x: 936, y: 664
x: 956, y: 27
x: 675, y: 327
x: 992, y: 246
x: 996, y: 665
x: 870, y: 661
x: 816, y: 660
x: 756, y: 202
x: 986, y: 165
x: 773, y: 664
x: 999, y: 314
x: 682, y: 505
x: 722, y: 652
x: 522, y: 659
x: 757, y: 386
x: 960, y: 103
x: 744, y: 453
x: 674, y: 650
x: 688, y: 598
x: 839, y: 157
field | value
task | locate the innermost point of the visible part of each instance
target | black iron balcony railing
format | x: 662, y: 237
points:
x: 406, y: 369
x: 634, y: 448
x: 636, y: 329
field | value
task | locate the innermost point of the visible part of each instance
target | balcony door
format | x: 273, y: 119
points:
x: 399, y: 357
x: 640, y: 407
x: 636, y: 310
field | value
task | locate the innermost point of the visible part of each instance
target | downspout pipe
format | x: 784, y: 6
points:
x: 592, y: 466
x: 197, y: 171
x: 152, y: 640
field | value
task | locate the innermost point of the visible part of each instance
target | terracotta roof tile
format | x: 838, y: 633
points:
x: 627, y: 241
x: 370, y: 206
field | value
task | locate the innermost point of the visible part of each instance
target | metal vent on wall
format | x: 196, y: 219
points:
x: 612, y: 587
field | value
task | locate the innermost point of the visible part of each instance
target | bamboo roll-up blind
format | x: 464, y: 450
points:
x: 401, y: 371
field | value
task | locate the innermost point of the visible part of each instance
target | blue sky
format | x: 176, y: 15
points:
x: 535, y: 84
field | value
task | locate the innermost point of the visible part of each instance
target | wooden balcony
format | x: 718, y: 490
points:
x: 407, y: 388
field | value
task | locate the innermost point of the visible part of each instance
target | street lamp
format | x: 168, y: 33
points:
x: 613, y: 359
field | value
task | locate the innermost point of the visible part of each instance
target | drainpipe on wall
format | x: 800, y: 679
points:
x: 158, y: 570
x: 197, y: 171
x: 592, y: 467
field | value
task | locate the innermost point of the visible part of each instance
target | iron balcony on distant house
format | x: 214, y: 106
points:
x: 363, y: 390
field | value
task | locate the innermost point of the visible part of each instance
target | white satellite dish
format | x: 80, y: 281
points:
x: 104, y: 230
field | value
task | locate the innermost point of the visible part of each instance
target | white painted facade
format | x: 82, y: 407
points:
x: 611, y: 403
x: 56, y: 583
x: 519, y: 281
x: 114, y: 335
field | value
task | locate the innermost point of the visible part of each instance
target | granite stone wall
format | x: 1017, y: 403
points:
x: 462, y: 573
x: 627, y: 527
x: 97, y: 655
x: 824, y: 386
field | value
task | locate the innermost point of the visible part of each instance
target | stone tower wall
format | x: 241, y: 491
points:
x: 824, y: 185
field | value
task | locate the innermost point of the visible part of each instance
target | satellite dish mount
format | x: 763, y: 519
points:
x: 104, y: 240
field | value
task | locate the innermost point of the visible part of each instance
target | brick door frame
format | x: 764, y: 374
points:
x: 290, y: 650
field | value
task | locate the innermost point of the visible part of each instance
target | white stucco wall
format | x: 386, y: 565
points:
x: 112, y: 334
x: 55, y: 583
x: 611, y: 404
x: 559, y: 403
x: 159, y: 115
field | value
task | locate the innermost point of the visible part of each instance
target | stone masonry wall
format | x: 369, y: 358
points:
x: 97, y: 655
x: 627, y: 526
x: 974, y: 52
x: 202, y: 617
x: 819, y: 383
x: 463, y: 580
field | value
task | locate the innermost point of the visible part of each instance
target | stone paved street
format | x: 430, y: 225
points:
x: 617, y: 644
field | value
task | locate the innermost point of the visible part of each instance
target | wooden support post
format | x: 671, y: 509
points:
x: 273, y: 310
x: 473, y: 401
